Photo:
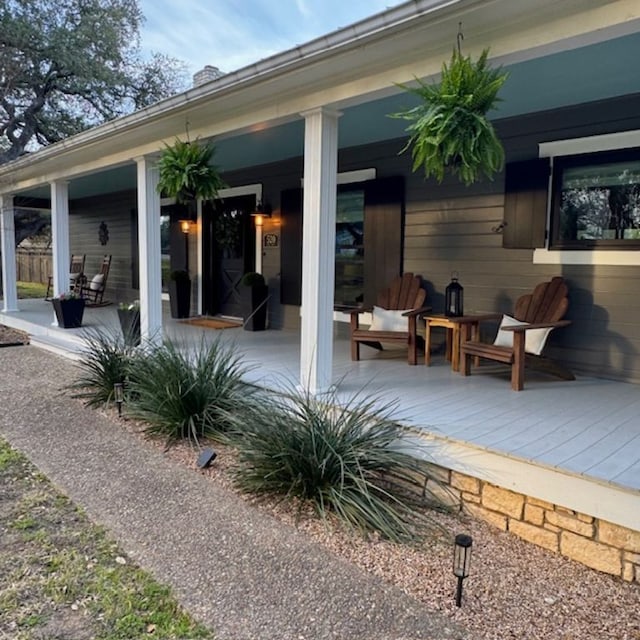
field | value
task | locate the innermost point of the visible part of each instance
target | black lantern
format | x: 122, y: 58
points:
x: 453, y: 298
x: 118, y: 395
x: 461, y: 562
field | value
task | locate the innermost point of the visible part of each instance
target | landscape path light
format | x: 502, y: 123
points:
x: 461, y: 562
x: 118, y: 395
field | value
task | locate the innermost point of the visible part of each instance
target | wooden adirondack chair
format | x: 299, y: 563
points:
x: 76, y: 273
x: 541, y: 310
x: 93, y: 290
x: 405, y: 294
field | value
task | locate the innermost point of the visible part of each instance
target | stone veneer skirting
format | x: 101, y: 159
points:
x: 591, y: 541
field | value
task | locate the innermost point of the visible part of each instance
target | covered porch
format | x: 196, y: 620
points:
x: 569, y: 443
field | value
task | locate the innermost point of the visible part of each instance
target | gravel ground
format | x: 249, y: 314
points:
x: 11, y: 337
x: 515, y: 590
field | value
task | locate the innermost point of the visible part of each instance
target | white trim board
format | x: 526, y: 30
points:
x: 577, y: 146
x: 628, y: 258
x: 589, y: 144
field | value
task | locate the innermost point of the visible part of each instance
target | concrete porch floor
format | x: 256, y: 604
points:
x: 575, y: 444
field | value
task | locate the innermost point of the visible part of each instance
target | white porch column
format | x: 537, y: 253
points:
x: 318, y: 248
x: 60, y: 237
x: 149, y: 251
x: 8, y: 232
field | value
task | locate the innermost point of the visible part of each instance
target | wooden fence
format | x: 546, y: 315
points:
x: 34, y: 265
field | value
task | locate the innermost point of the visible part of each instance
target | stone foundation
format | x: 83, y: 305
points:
x: 593, y: 542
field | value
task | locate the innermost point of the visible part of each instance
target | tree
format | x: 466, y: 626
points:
x: 67, y: 65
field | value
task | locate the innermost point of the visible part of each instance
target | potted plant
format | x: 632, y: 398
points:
x: 180, y: 293
x: 69, y: 309
x: 186, y: 172
x: 254, y: 294
x: 450, y: 130
x: 129, y: 316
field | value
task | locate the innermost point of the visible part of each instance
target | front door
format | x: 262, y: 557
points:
x: 229, y: 237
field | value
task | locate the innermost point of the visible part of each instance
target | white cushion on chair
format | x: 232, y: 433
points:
x: 96, y: 282
x: 534, y: 339
x: 389, y: 320
x: 74, y: 276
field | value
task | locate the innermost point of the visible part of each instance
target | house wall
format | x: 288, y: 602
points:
x: 85, y: 216
x: 449, y: 227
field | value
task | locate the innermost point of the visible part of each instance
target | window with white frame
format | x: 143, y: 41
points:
x: 596, y: 200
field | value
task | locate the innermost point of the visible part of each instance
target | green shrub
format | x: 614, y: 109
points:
x: 106, y: 359
x: 190, y: 392
x: 179, y: 275
x: 344, y: 459
x: 252, y: 279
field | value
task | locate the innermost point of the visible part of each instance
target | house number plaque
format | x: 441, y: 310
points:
x: 270, y: 239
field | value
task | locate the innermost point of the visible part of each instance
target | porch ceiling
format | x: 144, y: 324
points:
x: 537, y: 82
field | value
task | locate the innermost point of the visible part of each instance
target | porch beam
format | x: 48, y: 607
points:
x: 60, y: 237
x: 150, y: 255
x: 8, y: 232
x: 318, y: 248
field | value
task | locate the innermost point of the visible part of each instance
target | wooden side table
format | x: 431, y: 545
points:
x: 453, y: 328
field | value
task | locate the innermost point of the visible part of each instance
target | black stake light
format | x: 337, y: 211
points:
x: 206, y: 457
x: 461, y: 562
x: 118, y: 395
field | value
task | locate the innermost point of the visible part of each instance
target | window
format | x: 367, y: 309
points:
x: 349, y: 282
x: 596, y: 200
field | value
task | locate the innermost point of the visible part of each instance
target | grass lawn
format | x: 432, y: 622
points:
x: 31, y: 290
x: 63, y: 577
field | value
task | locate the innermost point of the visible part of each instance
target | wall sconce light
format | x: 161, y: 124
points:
x: 185, y: 227
x: 262, y: 211
x: 461, y: 562
x: 118, y: 395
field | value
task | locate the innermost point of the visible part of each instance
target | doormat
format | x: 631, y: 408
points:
x: 212, y: 323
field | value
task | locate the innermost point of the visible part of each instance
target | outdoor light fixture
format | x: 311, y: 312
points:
x: 185, y: 227
x: 118, y: 395
x: 206, y: 457
x: 461, y: 562
x: 261, y: 212
x: 453, y: 297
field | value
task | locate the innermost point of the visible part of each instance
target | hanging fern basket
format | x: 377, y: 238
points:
x: 449, y: 130
x: 186, y: 172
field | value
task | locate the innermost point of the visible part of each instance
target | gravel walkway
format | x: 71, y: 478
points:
x: 266, y: 573
x: 235, y: 568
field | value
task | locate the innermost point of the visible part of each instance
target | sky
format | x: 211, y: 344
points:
x: 230, y: 34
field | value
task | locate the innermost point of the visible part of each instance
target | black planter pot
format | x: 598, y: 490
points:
x: 180, y: 298
x: 130, y: 325
x: 69, y: 312
x: 254, y: 306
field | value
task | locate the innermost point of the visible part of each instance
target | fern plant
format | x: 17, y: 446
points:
x: 186, y: 172
x: 449, y: 129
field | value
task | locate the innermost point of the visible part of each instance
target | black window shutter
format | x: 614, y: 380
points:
x: 291, y: 247
x: 525, y: 204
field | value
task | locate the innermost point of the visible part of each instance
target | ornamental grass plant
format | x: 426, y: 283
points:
x: 346, y: 458
x: 106, y: 358
x: 190, y: 392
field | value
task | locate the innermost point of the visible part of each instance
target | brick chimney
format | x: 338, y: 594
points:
x: 205, y: 75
